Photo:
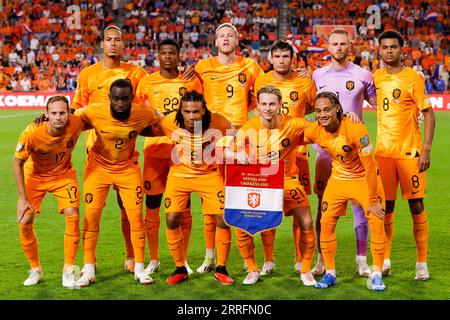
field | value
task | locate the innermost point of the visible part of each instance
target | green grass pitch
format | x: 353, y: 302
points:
x: 113, y: 282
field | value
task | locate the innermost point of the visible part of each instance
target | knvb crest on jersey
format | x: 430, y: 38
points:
x: 253, y: 200
x: 285, y: 142
x: 182, y: 91
x: 350, y: 85
x: 133, y: 134
x: 69, y: 144
x: 293, y: 95
x: 242, y: 77
x: 396, y: 93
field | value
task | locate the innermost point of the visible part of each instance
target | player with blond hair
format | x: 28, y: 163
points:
x: 228, y: 81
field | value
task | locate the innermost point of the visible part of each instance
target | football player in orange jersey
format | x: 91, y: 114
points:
x: 93, y: 87
x: 113, y: 160
x: 400, y: 154
x: 42, y: 164
x: 228, y: 81
x: 163, y: 90
x: 298, y: 98
x: 277, y: 136
x: 196, y: 132
x: 353, y: 176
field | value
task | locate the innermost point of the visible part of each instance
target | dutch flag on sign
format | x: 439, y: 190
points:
x: 253, y: 198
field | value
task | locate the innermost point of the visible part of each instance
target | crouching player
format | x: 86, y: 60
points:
x: 195, y: 131
x: 42, y: 164
x: 353, y: 177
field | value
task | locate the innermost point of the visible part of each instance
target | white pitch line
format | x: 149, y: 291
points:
x: 16, y: 115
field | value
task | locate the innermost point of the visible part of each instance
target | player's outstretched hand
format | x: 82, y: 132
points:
x: 39, y: 120
x: 377, y: 210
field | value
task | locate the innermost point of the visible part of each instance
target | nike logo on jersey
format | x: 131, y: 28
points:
x: 214, y: 78
x: 414, y: 192
x: 104, y: 131
x: 322, y: 87
x: 100, y: 87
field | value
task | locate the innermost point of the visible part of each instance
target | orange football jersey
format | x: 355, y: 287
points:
x: 227, y: 88
x: 47, y: 155
x: 400, y: 97
x: 163, y: 95
x: 114, y: 148
x: 194, y: 154
x: 350, y: 142
x: 266, y: 144
x: 94, y: 82
x: 297, y: 92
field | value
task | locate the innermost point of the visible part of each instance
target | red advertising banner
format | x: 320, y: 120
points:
x: 28, y: 100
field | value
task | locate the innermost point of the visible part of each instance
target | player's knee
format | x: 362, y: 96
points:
x: 220, y: 223
x: 153, y: 201
x: 390, y: 205
x: 27, y: 219
x: 172, y: 220
x: 416, y: 206
x: 71, y: 212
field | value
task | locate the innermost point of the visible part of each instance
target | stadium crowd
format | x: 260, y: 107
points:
x: 44, y: 44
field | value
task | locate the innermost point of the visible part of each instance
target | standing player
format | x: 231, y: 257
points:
x: 354, y: 176
x: 113, y: 160
x: 195, y: 131
x: 352, y: 84
x: 298, y: 98
x: 93, y: 87
x: 228, y: 81
x: 277, y: 138
x: 399, y: 151
x: 163, y: 90
x: 43, y: 164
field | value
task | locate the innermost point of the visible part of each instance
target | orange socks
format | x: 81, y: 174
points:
x: 377, y: 241
x: 152, y: 222
x: 307, y: 241
x: 186, y: 228
x: 296, y: 235
x: 420, y: 227
x: 268, y: 241
x: 71, y: 239
x: 223, y: 245
x: 389, y: 229
x: 137, y: 233
x: 126, y: 233
x: 29, y: 244
x: 246, y: 246
x: 210, y: 230
x: 175, y: 241
x: 91, y: 224
x: 328, y: 241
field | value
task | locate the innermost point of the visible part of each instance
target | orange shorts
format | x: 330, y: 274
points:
x: 97, y: 182
x: 64, y: 188
x: 323, y: 172
x: 155, y: 172
x: 404, y: 171
x: 210, y: 188
x: 294, y: 195
x: 339, y: 192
